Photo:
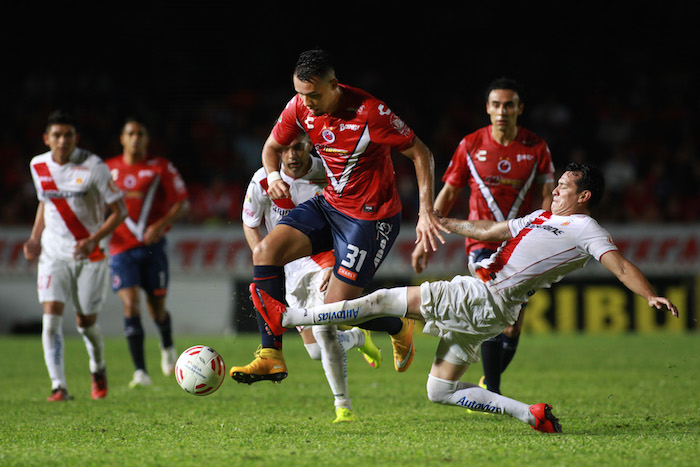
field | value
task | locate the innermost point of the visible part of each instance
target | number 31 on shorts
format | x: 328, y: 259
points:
x: 355, y: 258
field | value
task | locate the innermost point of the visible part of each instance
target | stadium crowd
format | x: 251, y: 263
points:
x: 642, y: 132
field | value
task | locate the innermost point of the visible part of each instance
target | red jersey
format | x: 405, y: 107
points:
x: 355, y: 145
x: 150, y: 188
x: 500, y: 177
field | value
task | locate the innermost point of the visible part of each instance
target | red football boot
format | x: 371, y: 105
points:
x: 270, y: 309
x: 99, y: 385
x: 544, y: 420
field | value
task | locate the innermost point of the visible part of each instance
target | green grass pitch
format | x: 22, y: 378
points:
x: 622, y: 399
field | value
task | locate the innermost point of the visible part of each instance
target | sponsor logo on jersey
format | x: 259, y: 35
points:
x: 349, y: 126
x: 524, y: 157
x: 64, y: 194
x: 548, y: 228
x: 282, y: 212
x: 330, y: 150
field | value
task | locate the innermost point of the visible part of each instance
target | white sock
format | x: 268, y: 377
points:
x: 95, y: 346
x: 314, y: 350
x: 473, y: 397
x: 383, y: 302
x: 52, y: 341
x: 334, y: 363
x: 351, y: 339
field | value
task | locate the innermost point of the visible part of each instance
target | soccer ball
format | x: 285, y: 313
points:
x: 200, y: 370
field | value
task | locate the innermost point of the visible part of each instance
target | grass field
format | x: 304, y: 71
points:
x: 622, y: 400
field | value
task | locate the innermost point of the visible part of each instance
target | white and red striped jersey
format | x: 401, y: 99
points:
x: 355, y: 144
x: 258, y: 208
x: 544, y: 248
x: 75, y: 196
x: 150, y: 189
x: 500, y: 178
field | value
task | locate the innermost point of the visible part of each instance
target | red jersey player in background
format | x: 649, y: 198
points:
x: 507, y: 169
x: 155, y: 196
x: 358, y: 216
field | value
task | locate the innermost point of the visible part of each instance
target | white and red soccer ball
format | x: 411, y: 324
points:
x: 200, y: 370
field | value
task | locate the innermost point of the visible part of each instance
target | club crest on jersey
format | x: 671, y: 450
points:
x: 504, y: 166
x: 328, y: 135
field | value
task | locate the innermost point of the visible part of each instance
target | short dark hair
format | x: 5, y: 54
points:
x: 506, y: 83
x: 60, y: 117
x: 590, y: 178
x: 135, y: 119
x: 313, y: 64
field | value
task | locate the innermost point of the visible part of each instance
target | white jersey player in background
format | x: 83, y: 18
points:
x: 537, y: 251
x: 74, y: 189
x: 306, y: 278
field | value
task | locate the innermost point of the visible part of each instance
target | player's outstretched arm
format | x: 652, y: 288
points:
x: 634, y: 280
x: 428, y: 227
x: 479, y: 229
x: 443, y: 205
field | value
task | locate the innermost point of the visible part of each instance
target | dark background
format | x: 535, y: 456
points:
x: 605, y: 83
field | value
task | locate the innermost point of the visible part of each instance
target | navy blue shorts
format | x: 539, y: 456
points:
x: 482, y: 253
x: 360, y: 246
x: 145, y: 266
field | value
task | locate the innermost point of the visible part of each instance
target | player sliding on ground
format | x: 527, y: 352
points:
x: 537, y: 251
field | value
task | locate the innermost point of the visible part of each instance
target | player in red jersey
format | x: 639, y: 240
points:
x: 156, y: 196
x: 358, y: 216
x: 506, y: 168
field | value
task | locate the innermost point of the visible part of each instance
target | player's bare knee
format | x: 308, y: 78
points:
x: 265, y: 254
x: 132, y: 310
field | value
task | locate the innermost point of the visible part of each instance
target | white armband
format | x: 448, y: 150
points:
x: 273, y: 176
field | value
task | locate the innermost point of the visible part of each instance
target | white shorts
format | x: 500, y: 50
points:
x: 304, y: 291
x: 462, y: 314
x: 84, y: 283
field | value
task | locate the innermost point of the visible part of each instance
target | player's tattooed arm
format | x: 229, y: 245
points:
x: 482, y: 229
